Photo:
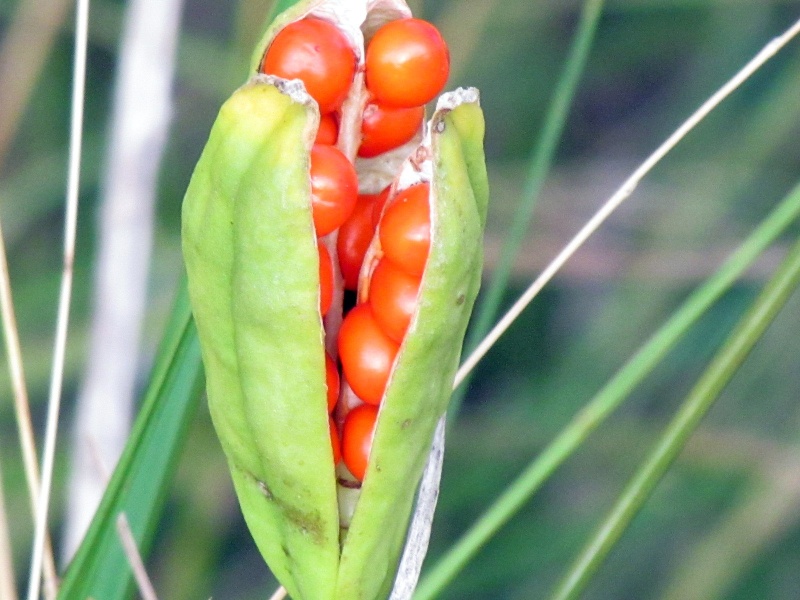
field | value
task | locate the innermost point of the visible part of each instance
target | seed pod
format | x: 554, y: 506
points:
x: 252, y: 258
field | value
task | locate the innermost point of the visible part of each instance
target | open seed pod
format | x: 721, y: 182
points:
x: 252, y: 239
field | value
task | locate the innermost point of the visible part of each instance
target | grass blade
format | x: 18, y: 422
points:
x: 724, y: 366
x: 538, y: 169
x: 608, y: 398
x: 23, y: 412
x: 40, y: 537
x: 138, y: 486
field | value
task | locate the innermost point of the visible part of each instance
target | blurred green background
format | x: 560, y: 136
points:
x: 725, y: 522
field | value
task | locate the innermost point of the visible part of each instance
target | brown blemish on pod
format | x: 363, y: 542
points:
x: 309, y: 522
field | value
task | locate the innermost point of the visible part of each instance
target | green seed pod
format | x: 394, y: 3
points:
x: 251, y: 255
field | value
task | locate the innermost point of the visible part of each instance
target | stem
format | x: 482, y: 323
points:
x: 724, y: 366
x: 70, y: 225
x: 146, y: 589
x: 23, y: 411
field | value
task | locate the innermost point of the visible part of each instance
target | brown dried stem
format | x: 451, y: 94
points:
x: 23, y: 412
x: 134, y: 557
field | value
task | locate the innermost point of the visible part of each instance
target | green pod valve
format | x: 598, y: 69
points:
x: 252, y: 262
x: 422, y: 379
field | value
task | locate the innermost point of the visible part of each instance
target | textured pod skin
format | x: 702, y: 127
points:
x: 252, y: 261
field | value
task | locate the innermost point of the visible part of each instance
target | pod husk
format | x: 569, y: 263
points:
x: 251, y: 257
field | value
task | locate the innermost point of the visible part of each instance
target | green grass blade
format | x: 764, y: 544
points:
x: 540, y: 163
x: 139, y: 484
x: 608, y: 399
x: 724, y: 366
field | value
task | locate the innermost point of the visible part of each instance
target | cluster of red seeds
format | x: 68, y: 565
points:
x: 407, y: 65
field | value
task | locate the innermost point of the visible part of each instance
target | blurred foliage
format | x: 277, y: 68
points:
x: 654, y: 62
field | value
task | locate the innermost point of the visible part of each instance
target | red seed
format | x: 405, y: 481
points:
x: 319, y: 54
x: 367, y: 354
x: 385, y: 128
x: 325, y: 279
x: 357, y: 433
x: 393, y: 296
x: 407, y: 63
x: 328, y: 130
x: 334, y: 188
x: 405, y: 230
